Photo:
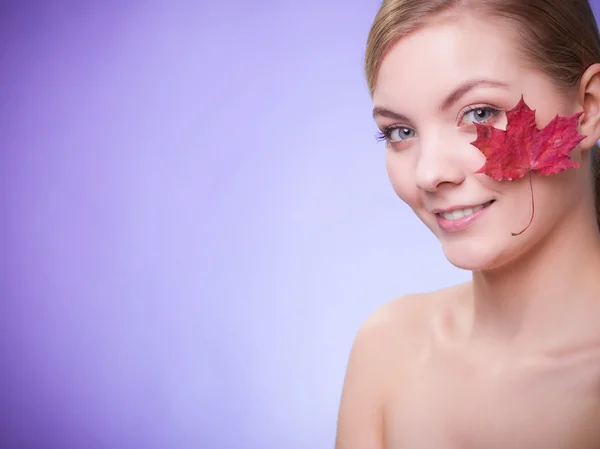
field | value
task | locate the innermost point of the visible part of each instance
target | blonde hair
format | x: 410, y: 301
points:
x: 559, y: 36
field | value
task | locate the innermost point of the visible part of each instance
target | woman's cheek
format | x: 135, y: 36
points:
x: 402, y: 178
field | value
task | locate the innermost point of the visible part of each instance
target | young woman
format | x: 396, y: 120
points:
x: 512, y: 358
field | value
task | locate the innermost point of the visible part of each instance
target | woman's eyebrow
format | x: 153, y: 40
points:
x: 383, y: 112
x: 452, y: 98
x: 465, y: 87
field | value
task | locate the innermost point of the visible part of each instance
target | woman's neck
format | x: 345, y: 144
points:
x: 547, y: 298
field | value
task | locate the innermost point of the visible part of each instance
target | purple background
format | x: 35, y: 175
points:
x: 195, y: 221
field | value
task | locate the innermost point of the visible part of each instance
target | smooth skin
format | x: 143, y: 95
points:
x: 511, y: 359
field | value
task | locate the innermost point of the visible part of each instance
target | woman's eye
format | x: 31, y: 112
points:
x: 479, y: 115
x: 400, y: 133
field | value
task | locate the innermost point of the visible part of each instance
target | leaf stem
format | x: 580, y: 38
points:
x: 532, y: 207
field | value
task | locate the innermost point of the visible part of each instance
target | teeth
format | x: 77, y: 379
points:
x: 461, y: 213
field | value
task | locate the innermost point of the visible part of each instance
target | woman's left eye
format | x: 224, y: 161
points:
x: 480, y: 115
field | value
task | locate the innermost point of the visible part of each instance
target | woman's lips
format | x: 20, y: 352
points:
x: 461, y: 219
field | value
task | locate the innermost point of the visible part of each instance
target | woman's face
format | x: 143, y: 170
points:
x: 432, y: 86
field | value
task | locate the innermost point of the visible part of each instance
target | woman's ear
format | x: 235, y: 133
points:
x: 589, y: 97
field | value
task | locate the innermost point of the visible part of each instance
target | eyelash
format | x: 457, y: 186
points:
x: 384, y: 135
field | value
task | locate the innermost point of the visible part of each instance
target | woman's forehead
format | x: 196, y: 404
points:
x: 445, y: 53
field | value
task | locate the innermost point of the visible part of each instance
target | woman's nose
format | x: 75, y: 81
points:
x: 437, y: 167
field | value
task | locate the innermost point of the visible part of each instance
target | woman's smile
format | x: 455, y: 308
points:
x: 459, y: 219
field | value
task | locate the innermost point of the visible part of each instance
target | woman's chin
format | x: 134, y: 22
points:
x: 470, y: 265
x: 473, y: 257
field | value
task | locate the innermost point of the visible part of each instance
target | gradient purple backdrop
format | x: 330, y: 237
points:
x: 196, y: 219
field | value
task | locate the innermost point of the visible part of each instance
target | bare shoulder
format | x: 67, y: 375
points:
x: 389, y: 341
x: 403, y: 326
x: 408, y: 319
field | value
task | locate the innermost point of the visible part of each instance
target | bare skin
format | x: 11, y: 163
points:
x: 511, y: 359
x: 418, y: 379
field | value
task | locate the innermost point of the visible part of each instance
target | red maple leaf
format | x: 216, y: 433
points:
x: 523, y: 148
